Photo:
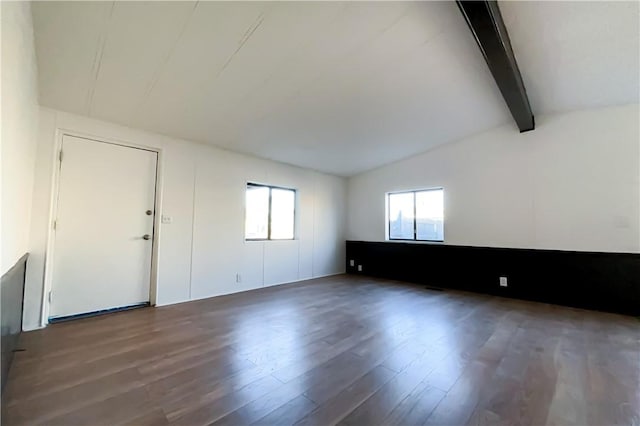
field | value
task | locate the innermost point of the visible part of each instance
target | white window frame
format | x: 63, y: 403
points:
x: 295, y: 204
x: 414, y: 239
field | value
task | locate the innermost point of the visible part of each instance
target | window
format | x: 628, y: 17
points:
x: 416, y: 215
x: 270, y: 213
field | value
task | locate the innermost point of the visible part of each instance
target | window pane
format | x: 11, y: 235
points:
x: 283, y: 203
x: 401, y: 216
x: 257, y: 215
x: 430, y: 215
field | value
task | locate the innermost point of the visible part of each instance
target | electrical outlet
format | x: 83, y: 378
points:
x: 167, y: 219
x: 352, y: 263
x: 359, y: 268
x: 503, y: 282
x: 238, y: 278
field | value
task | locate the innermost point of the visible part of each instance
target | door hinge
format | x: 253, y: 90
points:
x: 55, y: 225
x: 60, y: 156
x: 50, y: 296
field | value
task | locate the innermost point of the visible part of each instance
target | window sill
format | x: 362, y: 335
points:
x: 397, y: 240
x: 258, y: 240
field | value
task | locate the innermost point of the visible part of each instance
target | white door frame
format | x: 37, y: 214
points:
x: 53, y: 212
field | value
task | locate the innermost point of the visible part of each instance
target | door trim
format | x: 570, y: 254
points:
x: 60, y: 133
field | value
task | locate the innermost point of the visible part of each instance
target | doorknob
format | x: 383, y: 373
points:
x: 146, y: 237
x: 148, y: 212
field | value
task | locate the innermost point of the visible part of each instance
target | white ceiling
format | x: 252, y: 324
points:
x: 340, y: 87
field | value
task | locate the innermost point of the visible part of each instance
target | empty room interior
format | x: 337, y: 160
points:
x: 320, y: 213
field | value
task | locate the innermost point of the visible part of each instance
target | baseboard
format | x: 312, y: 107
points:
x: 251, y: 289
x: 592, y: 280
x: 305, y: 279
x: 333, y: 274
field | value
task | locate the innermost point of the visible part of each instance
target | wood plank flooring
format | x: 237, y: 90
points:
x: 341, y: 350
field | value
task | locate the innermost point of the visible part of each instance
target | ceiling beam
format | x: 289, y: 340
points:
x: 486, y: 24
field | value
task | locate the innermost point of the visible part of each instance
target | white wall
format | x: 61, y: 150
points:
x: 203, y: 190
x: 571, y: 184
x: 19, y: 129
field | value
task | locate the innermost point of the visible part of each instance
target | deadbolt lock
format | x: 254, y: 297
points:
x: 146, y: 237
x: 149, y: 212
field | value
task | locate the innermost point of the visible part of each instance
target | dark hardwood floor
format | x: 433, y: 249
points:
x: 345, y: 349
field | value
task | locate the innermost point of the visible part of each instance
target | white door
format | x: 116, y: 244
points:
x: 105, y: 212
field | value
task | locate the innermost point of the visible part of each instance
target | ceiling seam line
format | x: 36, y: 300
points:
x: 97, y: 63
x: 156, y: 75
x: 359, y: 47
x: 245, y: 39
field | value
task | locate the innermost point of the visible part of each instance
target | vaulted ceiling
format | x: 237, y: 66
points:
x: 340, y: 87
